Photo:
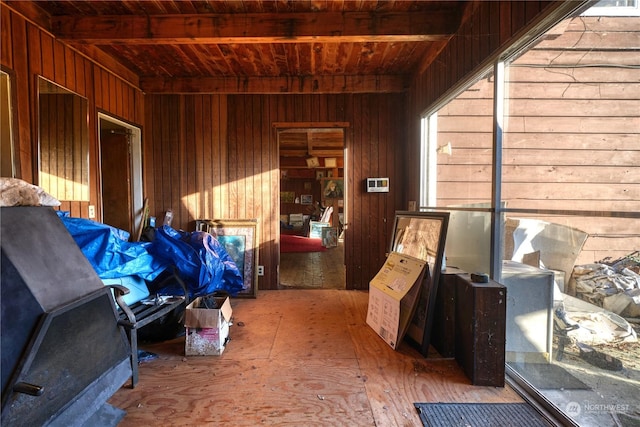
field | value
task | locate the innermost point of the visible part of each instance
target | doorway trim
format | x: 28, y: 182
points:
x: 137, y: 198
x: 281, y: 126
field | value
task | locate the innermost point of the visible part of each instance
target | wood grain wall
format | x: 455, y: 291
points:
x: 216, y: 156
x: 30, y: 52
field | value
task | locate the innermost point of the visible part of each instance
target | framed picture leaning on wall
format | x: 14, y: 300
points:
x: 240, y: 239
x: 422, y: 235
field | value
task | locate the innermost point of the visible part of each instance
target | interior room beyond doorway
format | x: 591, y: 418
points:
x: 312, y: 208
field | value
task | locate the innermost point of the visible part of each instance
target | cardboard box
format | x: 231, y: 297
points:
x: 207, y: 329
x: 393, y: 296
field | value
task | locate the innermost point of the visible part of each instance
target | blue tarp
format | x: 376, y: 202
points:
x: 198, y: 258
x: 109, y: 251
x: 201, y: 260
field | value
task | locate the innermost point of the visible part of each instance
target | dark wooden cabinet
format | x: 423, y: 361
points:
x: 469, y: 324
x: 443, y: 332
x: 480, y: 330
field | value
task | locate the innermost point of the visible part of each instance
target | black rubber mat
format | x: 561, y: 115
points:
x: 479, y: 415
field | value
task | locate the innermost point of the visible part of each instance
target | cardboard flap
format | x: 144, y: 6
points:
x: 393, y: 296
x: 226, y: 310
x: 398, y: 275
x: 196, y: 317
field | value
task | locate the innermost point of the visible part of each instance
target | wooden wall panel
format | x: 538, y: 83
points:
x: 33, y: 53
x: 6, y: 45
x: 216, y: 156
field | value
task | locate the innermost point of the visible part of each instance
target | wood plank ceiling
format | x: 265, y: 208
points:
x: 257, y: 46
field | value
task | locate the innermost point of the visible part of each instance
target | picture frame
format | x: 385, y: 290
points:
x: 306, y: 199
x: 422, y: 235
x: 330, y: 237
x: 287, y: 196
x: 315, y: 229
x: 332, y: 188
x: 240, y: 239
x: 319, y: 175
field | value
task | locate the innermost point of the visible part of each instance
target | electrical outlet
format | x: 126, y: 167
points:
x: 92, y: 211
x: 261, y: 270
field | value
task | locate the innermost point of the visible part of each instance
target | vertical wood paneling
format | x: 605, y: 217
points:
x: 189, y: 198
x: 35, y: 53
x: 199, y: 173
x: 95, y: 197
x: 174, y: 179
x: 243, y: 171
x: 46, y: 56
x: 213, y: 153
x: 255, y: 206
x: 79, y: 74
x: 367, y: 116
x: 59, y: 69
x: 96, y: 81
x: 237, y: 124
x: 505, y: 21
x: 112, y: 93
x: 353, y: 232
x: 188, y: 165
x: 70, y: 70
x: 152, y: 149
x: 269, y: 255
x: 6, y: 42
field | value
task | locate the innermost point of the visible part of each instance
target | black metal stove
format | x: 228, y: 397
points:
x: 63, y: 353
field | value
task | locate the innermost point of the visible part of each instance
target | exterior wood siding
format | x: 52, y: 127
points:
x: 216, y: 156
x: 488, y: 27
x: 570, y: 137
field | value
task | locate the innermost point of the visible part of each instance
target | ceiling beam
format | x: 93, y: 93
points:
x: 33, y: 13
x: 276, y: 85
x: 323, y: 27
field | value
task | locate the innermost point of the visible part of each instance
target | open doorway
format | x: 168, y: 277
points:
x: 121, y: 174
x: 312, y: 205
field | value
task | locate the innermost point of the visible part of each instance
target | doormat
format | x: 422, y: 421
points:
x: 289, y: 243
x: 548, y: 376
x: 479, y: 415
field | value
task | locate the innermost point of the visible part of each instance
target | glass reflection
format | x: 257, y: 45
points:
x: 64, y: 142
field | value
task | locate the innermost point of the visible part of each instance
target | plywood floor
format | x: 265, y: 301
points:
x: 313, y: 270
x: 299, y: 357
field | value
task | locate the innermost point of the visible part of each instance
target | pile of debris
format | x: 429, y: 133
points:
x: 612, y: 285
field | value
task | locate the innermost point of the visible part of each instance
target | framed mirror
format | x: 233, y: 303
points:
x: 422, y: 235
x: 63, y: 142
